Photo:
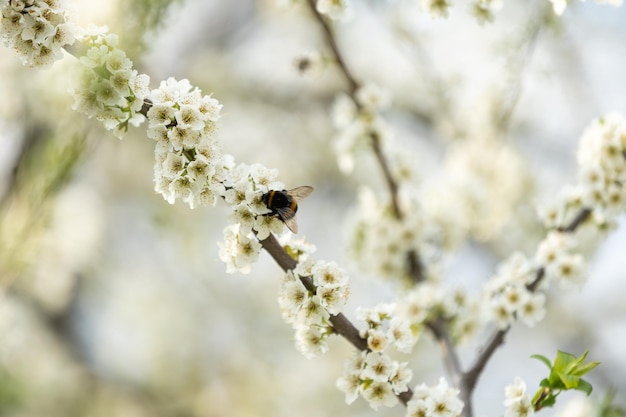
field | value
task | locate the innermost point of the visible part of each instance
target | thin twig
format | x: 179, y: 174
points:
x: 415, y: 267
x: 439, y: 328
x: 332, y: 43
x: 580, y: 218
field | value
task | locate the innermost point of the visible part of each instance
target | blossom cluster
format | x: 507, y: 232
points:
x: 375, y: 377
x: 430, y: 300
x: 513, y: 294
x: 602, y: 177
x: 188, y: 162
x: 376, y: 229
x: 600, y: 196
x: 309, y: 295
x: 111, y: 90
x: 190, y: 166
x: 37, y: 30
x: 508, y: 297
x: 439, y: 400
x: 357, y: 120
x: 242, y: 187
x: 517, y: 401
x: 385, y: 327
x: 561, y: 264
x: 483, y: 181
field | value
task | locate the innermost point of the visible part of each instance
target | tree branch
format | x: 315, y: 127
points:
x: 470, y: 377
x: 341, y: 324
x: 353, y: 84
x: 415, y: 267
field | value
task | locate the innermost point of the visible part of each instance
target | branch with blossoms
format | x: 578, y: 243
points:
x: 191, y: 167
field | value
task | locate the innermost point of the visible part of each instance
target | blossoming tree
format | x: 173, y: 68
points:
x: 401, y: 231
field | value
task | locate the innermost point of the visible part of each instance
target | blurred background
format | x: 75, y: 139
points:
x: 115, y: 303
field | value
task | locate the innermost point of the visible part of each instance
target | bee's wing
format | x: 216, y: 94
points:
x: 288, y: 216
x: 300, y: 192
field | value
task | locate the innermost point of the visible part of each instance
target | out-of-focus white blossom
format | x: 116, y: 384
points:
x: 310, y: 64
x: 312, y: 341
x: 507, y: 296
x: 37, y: 30
x: 484, y: 10
x: 334, y: 9
x: 485, y: 181
x: 376, y: 229
x: 357, y: 121
x: 601, y: 188
x: 437, y: 8
x: 555, y: 255
x: 436, y: 401
x: 517, y: 401
x: 578, y: 407
x: 559, y: 6
x: 372, y: 97
x: 111, y: 90
x: 238, y: 251
x: 532, y: 310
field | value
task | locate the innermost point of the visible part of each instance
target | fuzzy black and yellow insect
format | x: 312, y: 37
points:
x: 284, y: 204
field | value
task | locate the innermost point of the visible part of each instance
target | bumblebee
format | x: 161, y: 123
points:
x: 284, y: 204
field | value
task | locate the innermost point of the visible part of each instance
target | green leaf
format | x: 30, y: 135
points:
x: 542, y: 359
x: 584, y: 386
x: 549, y: 401
x: 576, y: 363
x: 565, y: 374
x: 569, y: 381
x: 582, y: 370
x: 562, y: 361
x: 543, y: 398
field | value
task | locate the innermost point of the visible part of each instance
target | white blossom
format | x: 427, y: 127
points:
x: 36, y: 31
x: 515, y: 392
x: 238, y: 251
x: 376, y: 340
x: 186, y: 150
x: 532, y: 310
x: 559, y: 6
x: 380, y: 393
x: 350, y: 384
x: 401, y: 335
x: 378, y: 367
x: 446, y: 400
x: 401, y: 378
x: 437, y: 401
x: 372, y: 97
x: 311, y: 341
x: 517, y: 401
x: 334, y: 9
x: 436, y: 8
x: 110, y: 90
x: 375, y: 377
